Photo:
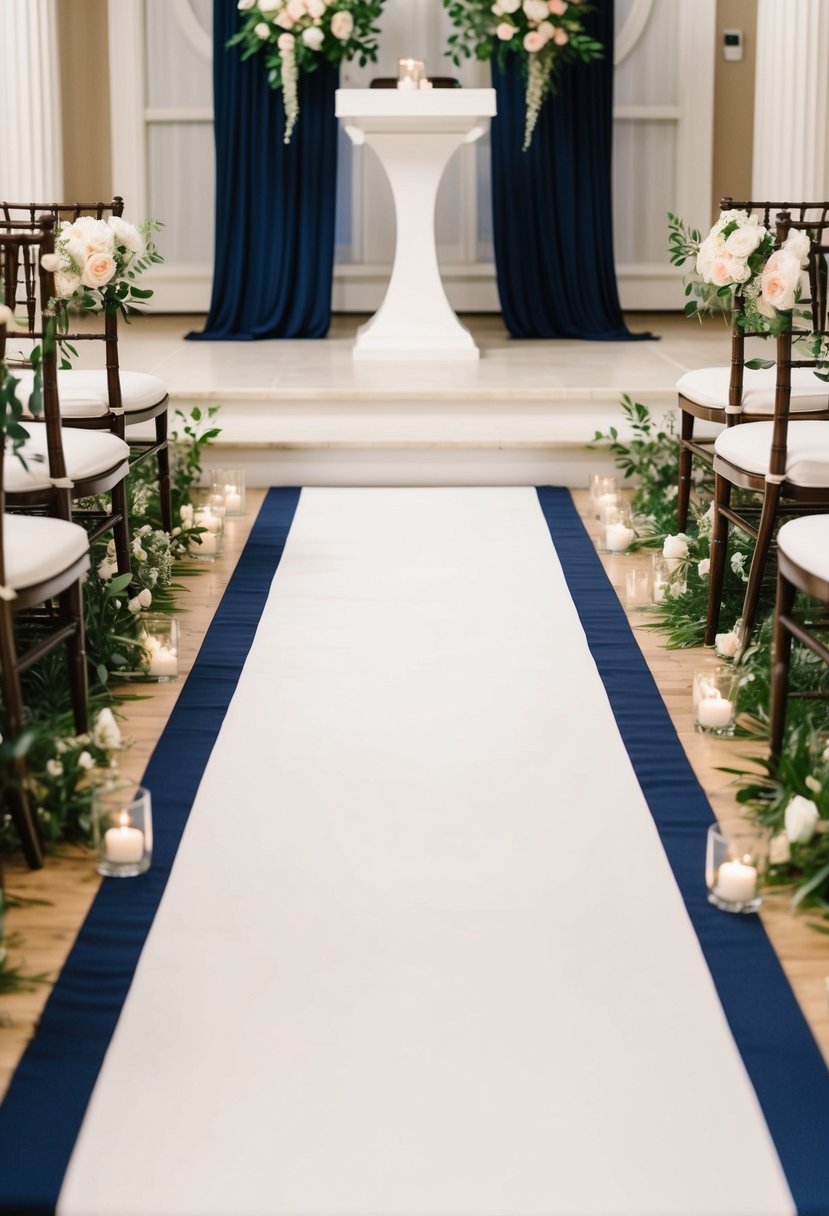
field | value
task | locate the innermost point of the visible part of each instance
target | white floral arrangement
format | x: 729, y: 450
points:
x: 544, y: 34
x: 298, y: 35
x: 96, y: 262
x: 738, y: 259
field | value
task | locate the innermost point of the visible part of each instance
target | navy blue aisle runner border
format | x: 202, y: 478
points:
x: 46, y: 1102
x: 786, y: 1068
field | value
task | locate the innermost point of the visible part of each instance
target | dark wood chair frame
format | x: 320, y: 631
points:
x: 792, y: 578
x: 690, y: 411
x: 115, y: 420
x: 778, y: 496
x: 60, y: 598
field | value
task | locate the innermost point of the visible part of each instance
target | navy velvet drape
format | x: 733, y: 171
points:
x: 552, y: 209
x: 275, y: 202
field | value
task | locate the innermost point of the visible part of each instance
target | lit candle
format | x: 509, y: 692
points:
x: 617, y: 537
x: 407, y: 84
x: 736, y: 881
x: 609, y: 499
x: 203, y: 545
x: 714, y: 711
x: 162, y: 660
x: 425, y: 84
x: 233, y: 500
x: 208, y: 520
x: 124, y: 844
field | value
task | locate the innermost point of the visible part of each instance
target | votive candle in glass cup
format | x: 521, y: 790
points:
x: 604, y: 492
x: 735, y: 860
x: 715, y: 700
x: 410, y: 72
x: 229, y: 485
x: 122, y: 828
x: 669, y: 577
x: 159, y: 642
x: 616, y: 531
x: 203, y: 544
x: 213, y: 522
x: 638, y: 589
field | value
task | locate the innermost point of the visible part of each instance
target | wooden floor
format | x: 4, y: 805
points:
x: 68, y: 882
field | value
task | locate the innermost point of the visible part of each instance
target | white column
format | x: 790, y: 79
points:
x: 31, y: 163
x: 791, y: 106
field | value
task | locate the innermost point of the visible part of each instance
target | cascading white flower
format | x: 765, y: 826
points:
x: 287, y: 51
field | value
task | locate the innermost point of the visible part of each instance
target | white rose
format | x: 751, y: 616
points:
x: 739, y: 270
x: 798, y: 245
x: 285, y: 42
x: 536, y: 10
x: 90, y: 235
x: 262, y: 30
x: 342, y: 25
x: 51, y: 262
x: 675, y: 546
x: 106, y: 732
x: 704, y: 567
x: 743, y: 241
x: 66, y: 283
x: 781, y: 279
x: 127, y: 234
x: 313, y: 37
x: 801, y: 816
x: 504, y: 31
x: 145, y: 597
x: 268, y: 6
x: 316, y: 8
x: 727, y: 644
x: 779, y: 849
x: 98, y: 270
x: 712, y: 247
x: 296, y: 9
x: 284, y: 21
x: 510, y: 6
x: 546, y: 30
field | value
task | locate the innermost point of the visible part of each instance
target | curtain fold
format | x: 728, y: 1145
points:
x: 275, y: 203
x: 552, y: 205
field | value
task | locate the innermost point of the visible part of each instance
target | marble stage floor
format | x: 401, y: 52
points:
x: 301, y: 411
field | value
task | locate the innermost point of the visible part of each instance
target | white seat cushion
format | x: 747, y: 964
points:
x: 806, y: 542
x: 748, y: 445
x: 708, y: 386
x: 87, y: 454
x: 83, y: 394
x: 37, y: 548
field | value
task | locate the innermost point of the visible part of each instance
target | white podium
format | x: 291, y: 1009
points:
x: 415, y: 134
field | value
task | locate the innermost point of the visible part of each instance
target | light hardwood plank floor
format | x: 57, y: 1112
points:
x: 68, y: 882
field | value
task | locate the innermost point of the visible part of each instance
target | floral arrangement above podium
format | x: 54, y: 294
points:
x: 297, y: 35
x: 544, y: 33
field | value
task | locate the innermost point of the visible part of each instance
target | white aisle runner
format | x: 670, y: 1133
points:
x: 421, y: 953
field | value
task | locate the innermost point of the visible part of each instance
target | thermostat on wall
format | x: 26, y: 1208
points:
x: 732, y: 45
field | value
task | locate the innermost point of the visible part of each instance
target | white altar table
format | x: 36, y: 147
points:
x: 415, y: 135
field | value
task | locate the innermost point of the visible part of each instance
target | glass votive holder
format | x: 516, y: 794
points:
x: 734, y: 861
x: 715, y: 700
x: 616, y: 530
x: 122, y: 829
x: 159, y: 646
x: 229, y: 486
x: 638, y: 589
x: 604, y: 492
x: 213, y: 523
x: 670, y: 577
x: 203, y: 544
x: 410, y: 72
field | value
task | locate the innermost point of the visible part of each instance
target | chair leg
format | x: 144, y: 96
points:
x: 18, y: 798
x: 163, y: 458
x: 121, y: 530
x: 781, y: 652
x: 765, y: 532
x: 685, y: 470
x: 71, y: 605
x: 719, y: 549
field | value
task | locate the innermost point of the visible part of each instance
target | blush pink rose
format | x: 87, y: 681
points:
x: 533, y: 41
x: 504, y: 31
x: 296, y: 9
x: 98, y: 270
x: 561, y: 37
x: 719, y: 272
x: 781, y: 279
x: 557, y: 7
x: 342, y: 24
x: 285, y: 42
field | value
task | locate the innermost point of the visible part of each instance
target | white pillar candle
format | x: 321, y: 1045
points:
x: 609, y: 499
x: 407, y: 84
x: 124, y: 844
x: 163, y: 660
x: 204, y: 545
x: 714, y: 711
x: 208, y: 520
x: 233, y: 500
x: 618, y: 537
x: 736, y: 882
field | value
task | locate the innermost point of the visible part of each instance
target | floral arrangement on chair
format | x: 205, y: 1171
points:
x: 736, y: 265
x: 96, y: 262
x: 544, y: 33
x: 297, y: 35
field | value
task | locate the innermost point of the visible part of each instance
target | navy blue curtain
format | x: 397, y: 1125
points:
x: 275, y: 203
x: 552, y: 208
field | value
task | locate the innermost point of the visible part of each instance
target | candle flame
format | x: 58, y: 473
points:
x: 124, y: 819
